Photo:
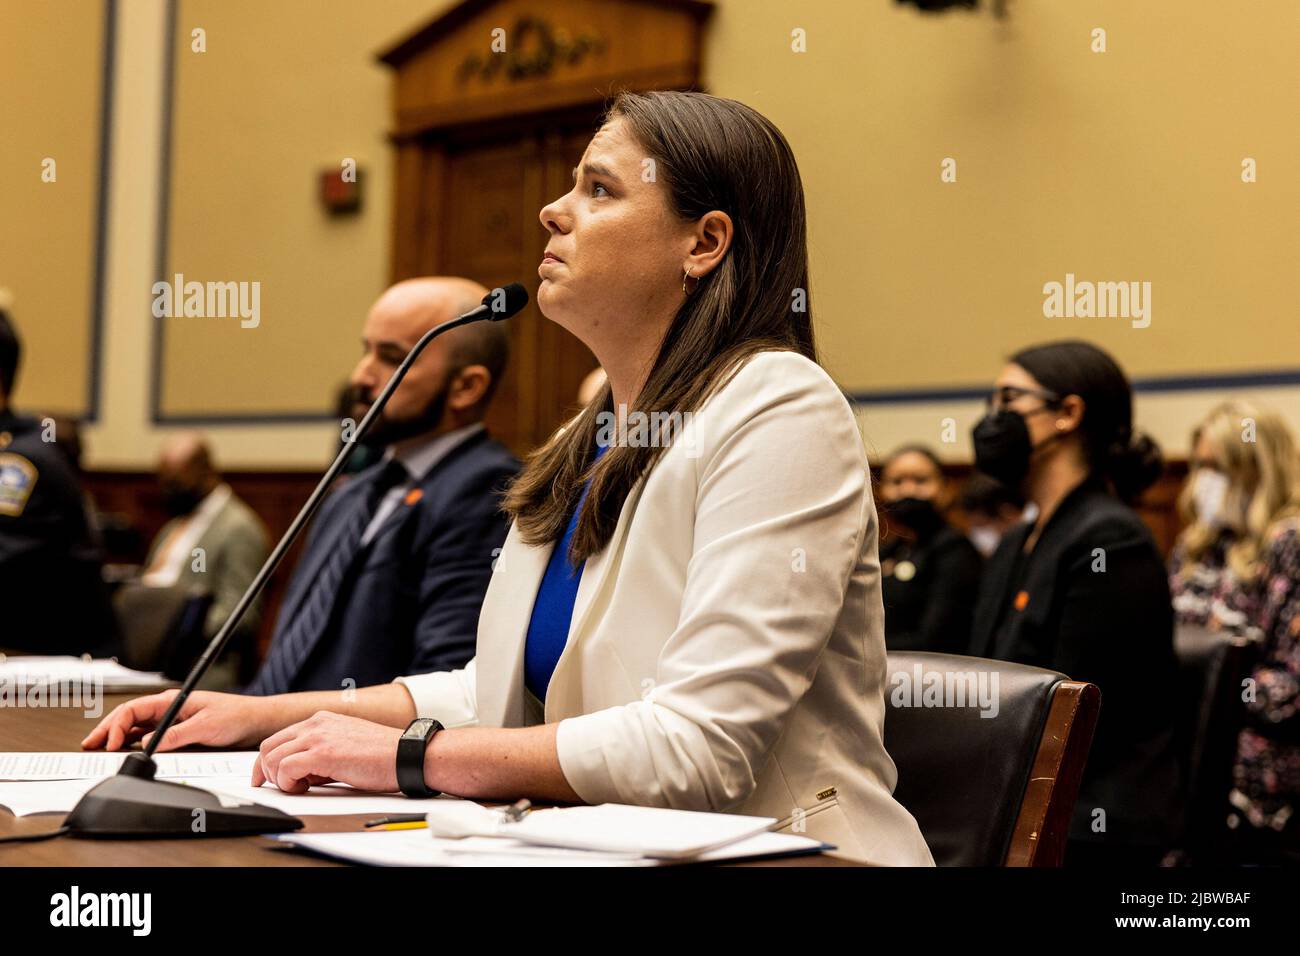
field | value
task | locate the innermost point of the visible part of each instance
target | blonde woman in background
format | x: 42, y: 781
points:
x: 1237, y: 567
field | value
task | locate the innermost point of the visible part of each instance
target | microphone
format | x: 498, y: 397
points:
x: 501, y: 303
x: 133, y: 803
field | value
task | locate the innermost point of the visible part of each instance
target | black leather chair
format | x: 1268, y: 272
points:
x: 989, y: 791
x: 1211, y: 668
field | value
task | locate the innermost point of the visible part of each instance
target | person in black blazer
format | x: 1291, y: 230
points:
x: 930, y: 572
x: 399, y: 557
x: 1082, y: 589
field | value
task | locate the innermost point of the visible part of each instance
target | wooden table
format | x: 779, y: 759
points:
x: 23, y: 729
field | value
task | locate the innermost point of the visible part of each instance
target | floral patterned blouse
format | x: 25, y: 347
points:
x: 1207, y: 593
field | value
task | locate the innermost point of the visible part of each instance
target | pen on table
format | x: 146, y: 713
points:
x: 398, y: 821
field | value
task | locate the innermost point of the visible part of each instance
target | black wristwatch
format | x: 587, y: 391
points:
x: 410, y: 757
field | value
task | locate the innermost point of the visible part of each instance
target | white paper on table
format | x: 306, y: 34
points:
x: 646, y: 831
x: 78, y: 765
x: 332, y: 800
x: 215, y: 763
x: 418, y: 848
x: 608, y: 828
x: 104, y: 672
x: 44, y: 796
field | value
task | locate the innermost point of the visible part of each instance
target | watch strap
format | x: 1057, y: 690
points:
x: 411, y: 748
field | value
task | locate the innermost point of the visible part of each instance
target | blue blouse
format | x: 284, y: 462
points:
x: 548, y: 628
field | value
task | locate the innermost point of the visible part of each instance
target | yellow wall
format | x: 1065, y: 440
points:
x: 50, y: 83
x: 283, y: 91
x: 1122, y: 165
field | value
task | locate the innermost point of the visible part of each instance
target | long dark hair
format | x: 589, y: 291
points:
x: 710, y: 153
x: 1128, y: 460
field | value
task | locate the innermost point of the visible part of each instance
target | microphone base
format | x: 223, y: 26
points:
x: 127, y: 806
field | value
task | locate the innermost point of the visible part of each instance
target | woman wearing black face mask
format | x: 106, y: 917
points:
x: 1082, y: 589
x: 930, y: 572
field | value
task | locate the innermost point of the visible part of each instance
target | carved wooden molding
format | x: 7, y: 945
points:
x: 487, y: 60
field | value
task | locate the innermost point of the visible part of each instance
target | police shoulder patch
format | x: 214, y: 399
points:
x: 17, y: 479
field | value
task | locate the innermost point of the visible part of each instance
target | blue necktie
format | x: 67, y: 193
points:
x: 291, y: 648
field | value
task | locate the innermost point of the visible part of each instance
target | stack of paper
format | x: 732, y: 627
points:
x: 97, y: 763
x: 462, y: 833
x: 54, y: 782
x: 417, y: 848
x: 607, y: 828
x: 106, y: 675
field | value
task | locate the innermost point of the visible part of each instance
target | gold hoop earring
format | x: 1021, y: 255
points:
x: 686, y: 291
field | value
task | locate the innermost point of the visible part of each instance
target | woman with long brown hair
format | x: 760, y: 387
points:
x: 685, y: 614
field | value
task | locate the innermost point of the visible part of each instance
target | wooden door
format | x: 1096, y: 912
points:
x: 492, y: 189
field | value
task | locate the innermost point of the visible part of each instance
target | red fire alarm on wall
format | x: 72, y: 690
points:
x: 340, y: 189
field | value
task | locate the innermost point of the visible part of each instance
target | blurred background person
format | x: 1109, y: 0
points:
x: 991, y: 509
x: 398, y: 559
x: 212, y: 542
x: 930, y: 571
x: 52, y: 594
x: 1236, y: 567
x: 1082, y: 589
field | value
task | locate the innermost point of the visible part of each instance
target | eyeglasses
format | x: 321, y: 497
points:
x: 1004, y: 395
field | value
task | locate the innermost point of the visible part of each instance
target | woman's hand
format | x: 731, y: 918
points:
x: 207, y: 718
x: 328, y: 748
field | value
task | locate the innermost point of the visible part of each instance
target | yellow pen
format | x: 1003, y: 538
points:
x: 397, y: 821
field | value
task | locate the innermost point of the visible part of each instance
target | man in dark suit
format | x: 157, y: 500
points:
x: 399, y: 558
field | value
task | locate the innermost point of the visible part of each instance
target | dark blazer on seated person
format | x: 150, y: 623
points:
x: 930, y: 585
x: 52, y: 594
x: 406, y: 601
x: 1092, y: 601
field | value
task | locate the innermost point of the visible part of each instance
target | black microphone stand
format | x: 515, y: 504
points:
x: 133, y: 803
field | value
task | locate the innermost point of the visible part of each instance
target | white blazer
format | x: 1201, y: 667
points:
x: 727, y: 646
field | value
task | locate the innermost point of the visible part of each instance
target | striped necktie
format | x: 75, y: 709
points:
x: 291, y: 647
